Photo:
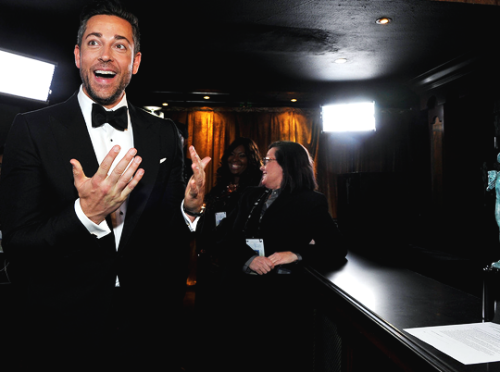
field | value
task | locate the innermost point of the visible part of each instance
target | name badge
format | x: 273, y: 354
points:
x: 219, y: 216
x: 257, y: 245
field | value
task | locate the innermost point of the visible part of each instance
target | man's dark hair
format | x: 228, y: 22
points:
x: 297, y: 165
x: 109, y: 7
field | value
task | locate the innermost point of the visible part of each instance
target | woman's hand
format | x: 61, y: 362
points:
x: 282, y: 258
x: 261, y: 265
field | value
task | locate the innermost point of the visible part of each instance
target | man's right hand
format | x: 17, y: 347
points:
x: 103, y: 194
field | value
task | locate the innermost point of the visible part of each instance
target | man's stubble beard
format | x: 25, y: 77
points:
x: 105, y: 101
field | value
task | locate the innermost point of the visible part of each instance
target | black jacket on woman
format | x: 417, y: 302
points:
x: 298, y: 222
x: 271, y: 315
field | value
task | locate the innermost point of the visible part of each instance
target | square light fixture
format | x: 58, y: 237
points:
x: 25, y: 76
x: 349, y: 117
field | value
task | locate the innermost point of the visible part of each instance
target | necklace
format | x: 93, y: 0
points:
x: 255, y: 205
x: 232, y: 187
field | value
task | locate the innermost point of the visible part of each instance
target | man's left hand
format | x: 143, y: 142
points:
x: 195, y: 189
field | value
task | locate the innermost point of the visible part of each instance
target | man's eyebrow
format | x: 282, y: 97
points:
x: 119, y: 37
x: 99, y: 35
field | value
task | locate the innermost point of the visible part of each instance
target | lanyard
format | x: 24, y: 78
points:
x: 264, y: 196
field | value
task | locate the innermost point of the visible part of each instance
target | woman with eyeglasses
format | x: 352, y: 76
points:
x: 275, y: 228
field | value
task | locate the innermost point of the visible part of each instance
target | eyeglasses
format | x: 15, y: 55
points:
x: 267, y: 160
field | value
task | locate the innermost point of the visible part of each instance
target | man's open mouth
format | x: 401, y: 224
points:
x: 105, y: 74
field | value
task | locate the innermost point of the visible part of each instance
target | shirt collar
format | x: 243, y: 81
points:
x: 86, y: 102
x: 86, y: 106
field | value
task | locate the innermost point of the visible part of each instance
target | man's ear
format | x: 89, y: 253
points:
x: 137, y: 62
x: 77, y: 55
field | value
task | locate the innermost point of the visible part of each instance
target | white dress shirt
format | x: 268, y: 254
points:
x: 103, y: 139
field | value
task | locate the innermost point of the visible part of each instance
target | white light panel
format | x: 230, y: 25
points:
x: 349, y: 117
x: 24, y: 76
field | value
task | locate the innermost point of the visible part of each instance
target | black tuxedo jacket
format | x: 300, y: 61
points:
x: 60, y: 267
x: 289, y: 224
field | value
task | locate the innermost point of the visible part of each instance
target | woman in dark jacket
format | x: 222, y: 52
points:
x: 286, y: 213
x: 275, y: 228
x: 239, y: 168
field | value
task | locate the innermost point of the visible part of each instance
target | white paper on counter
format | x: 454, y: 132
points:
x: 468, y: 343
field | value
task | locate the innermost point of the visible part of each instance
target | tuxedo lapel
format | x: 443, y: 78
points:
x: 73, y: 140
x: 72, y: 137
x: 146, y: 141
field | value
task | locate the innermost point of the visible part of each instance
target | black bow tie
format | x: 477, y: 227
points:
x: 117, y: 119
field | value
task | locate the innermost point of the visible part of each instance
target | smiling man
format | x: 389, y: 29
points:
x: 98, y: 260
x: 107, y: 57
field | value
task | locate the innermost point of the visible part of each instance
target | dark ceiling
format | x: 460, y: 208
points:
x: 264, y: 50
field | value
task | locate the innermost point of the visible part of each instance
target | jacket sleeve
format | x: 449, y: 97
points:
x: 327, y: 244
x: 36, y: 207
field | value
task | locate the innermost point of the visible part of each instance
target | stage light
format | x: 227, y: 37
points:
x: 25, y: 77
x: 349, y: 117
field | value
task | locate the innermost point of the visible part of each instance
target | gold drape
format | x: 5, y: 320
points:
x: 211, y: 130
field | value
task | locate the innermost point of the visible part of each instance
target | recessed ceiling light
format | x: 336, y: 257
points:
x: 206, y: 97
x: 340, y: 60
x: 294, y: 100
x: 164, y: 104
x: 383, y: 21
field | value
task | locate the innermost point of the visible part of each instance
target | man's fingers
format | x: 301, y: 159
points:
x: 133, y: 182
x: 121, y: 167
x: 102, y: 194
x: 78, y: 174
x: 194, y: 155
x: 120, y: 178
x: 195, y: 190
x: 198, y: 164
x: 199, y: 168
x: 197, y: 181
x: 205, y: 161
x: 103, y: 170
x: 198, y: 178
x: 132, y: 176
x: 125, y: 175
x: 194, y: 186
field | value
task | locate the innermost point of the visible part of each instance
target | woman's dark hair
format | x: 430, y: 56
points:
x: 297, y: 165
x: 109, y: 7
x: 251, y: 174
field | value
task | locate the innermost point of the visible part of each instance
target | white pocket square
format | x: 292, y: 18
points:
x: 162, y: 160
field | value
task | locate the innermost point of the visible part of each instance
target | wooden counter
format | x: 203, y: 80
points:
x: 370, y: 302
